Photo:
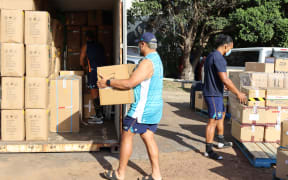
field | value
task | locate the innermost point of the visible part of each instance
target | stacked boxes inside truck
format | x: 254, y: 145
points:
x: 44, y: 96
x: 12, y: 75
x: 265, y: 85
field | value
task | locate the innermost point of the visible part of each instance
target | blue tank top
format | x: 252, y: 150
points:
x: 148, y: 105
x: 96, y: 55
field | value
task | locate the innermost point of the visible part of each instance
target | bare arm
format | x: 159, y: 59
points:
x: 229, y: 84
x: 83, y: 55
x: 143, y: 72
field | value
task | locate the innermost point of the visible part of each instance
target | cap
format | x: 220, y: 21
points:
x: 148, y: 37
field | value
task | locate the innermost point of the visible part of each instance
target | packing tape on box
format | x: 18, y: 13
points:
x: 256, y: 99
x: 256, y: 93
x: 253, y: 128
x: 277, y: 98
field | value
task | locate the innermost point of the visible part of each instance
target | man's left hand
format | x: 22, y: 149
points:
x: 102, y: 82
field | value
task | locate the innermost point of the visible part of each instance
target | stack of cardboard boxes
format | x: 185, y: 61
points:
x: 259, y: 120
x: 12, y: 72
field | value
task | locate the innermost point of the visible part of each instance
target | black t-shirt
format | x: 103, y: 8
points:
x: 213, y: 86
x: 96, y: 55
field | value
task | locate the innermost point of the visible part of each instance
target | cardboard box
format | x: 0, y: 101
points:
x: 12, y: 125
x: 254, y: 79
x: 277, y: 97
x: 66, y: 104
x: 57, y: 66
x: 74, y: 38
x: 246, y: 133
x: 12, y: 93
x: 77, y: 73
x: 38, y: 60
x: 281, y: 65
x: 247, y: 115
x: 110, y: 96
x: 37, y: 124
x: 37, y: 27
x: 235, y: 78
x: 95, y: 18
x: 12, y: 59
x: 84, y: 30
x: 275, y: 80
x: 272, y: 134
x: 73, y: 61
x: 282, y: 164
x: 275, y: 115
x: 12, y: 26
x: 36, y: 93
x: 200, y: 103
x: 259, y: 67
x: 89, y: 109
x: 284, y: 134
x: 256, y: 96
x: 21, y: 4
x: 76, y: 18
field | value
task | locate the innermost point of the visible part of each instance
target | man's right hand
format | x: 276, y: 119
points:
x: 242, y: 97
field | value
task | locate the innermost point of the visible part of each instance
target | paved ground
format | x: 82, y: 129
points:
x: 181, y: 142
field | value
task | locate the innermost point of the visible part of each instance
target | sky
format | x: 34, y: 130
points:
x: 128, y: 3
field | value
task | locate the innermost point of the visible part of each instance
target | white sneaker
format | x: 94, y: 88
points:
x: 96, y: 120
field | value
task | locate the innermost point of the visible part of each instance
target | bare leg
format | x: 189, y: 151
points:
x: 125, y: 152
x: 210, y: 130
x: 153, y: 152
x: 220, y: 125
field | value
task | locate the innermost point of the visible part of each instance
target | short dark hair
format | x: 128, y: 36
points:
x: 90, y: 35
x: 223, y: 39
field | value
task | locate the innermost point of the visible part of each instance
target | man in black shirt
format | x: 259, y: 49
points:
x: 213, y: 89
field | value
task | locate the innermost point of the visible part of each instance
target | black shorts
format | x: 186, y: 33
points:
x: 92, y: 79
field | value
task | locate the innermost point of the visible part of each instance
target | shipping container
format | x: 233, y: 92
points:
x: 90, y: 138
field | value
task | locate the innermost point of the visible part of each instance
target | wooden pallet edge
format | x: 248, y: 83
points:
x: 265, y: 149
x: 50, y: 148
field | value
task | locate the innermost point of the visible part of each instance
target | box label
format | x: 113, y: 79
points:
x: 254, y: 117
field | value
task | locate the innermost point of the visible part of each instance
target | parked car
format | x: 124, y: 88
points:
x: 133, y: 55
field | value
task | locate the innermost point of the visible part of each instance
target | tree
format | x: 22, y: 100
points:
x: 190, y: 23
x: 262, y: 24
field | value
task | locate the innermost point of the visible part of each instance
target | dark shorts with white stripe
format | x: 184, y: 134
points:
x: 215, y: 107
x: 131, y: 124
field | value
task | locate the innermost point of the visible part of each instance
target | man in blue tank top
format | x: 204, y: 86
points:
x: 146, y: 112
x: 95, y: 55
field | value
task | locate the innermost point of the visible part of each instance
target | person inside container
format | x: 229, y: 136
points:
x: 215, y: 80
x: 145, y: 113
x: 93, y: 52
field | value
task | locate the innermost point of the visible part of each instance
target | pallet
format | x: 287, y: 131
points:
x: 90, y: 138
x: 260, y: 155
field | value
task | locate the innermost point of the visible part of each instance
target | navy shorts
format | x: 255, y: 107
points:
x: 92, y: 79
x: 137, y: 128
x: 215, y: 107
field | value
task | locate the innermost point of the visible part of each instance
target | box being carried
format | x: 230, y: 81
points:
x: 12, y: 26
x: 259, y: 67
x: 66, y: 104
x: 111, y: 96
